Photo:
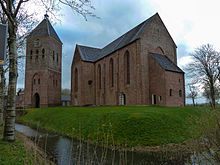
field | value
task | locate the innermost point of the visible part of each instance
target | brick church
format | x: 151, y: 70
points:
x: 138, y: 68
x: 43, y: 68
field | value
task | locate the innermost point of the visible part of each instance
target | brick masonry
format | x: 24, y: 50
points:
x: 147, y: 77
x: 43, y: 71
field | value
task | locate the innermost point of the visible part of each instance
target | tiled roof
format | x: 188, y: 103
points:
x: 94, y: 54
x: 166, y: 63
x: 88, y: 53
x: 45, y: 28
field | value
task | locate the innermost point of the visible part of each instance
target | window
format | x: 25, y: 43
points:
x: 53, y: 82
x: 90, y: 82
x: 180, y: 93
x: 53, y: 55
x: 171, y: 92
x: 38, y: 81
x: 76, y: 80
x: 43, y: 53
x: 179, y: 79
x: 31, y: 54
x: 56, y: 83
x: 159, y: 50
x: 99, y: 77
x: 111, y: 71
x: 37, y: 52
x: 160, y: 98
x: 154, y: 99
x: 34, y: 81
x: 127, y: 67
x: 37, y: 43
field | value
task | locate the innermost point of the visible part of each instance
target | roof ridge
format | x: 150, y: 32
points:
x: 88, y: 46
x: 47, y: 22
x: 144, y: 24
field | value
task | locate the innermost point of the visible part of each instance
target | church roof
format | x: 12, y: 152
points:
x: 94, y: 54
x: 166, y: 63
x: 45, y: 28
x: 89, y: 54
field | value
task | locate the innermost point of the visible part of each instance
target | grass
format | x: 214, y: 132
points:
x: 12, y: 153
x: 127, y: 126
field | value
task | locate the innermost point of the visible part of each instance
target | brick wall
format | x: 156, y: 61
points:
x: 43, y: 64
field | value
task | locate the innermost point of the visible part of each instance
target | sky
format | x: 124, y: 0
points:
x: 191, y: 23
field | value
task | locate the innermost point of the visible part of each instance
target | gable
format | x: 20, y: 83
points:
x: 91, y: 54
x: 156, y: 30
x: 77, y: 57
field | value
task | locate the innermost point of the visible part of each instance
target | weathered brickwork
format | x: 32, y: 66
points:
x: 149, y: 79
x: 43, y: 71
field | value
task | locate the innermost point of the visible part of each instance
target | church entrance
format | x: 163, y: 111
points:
x: 37, y: 100
x: 122, y: 99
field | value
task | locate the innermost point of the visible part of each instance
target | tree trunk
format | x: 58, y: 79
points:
x: 193, y: 100
x: 2, y: 94
x: 10, y: 111
x: 212, y: 94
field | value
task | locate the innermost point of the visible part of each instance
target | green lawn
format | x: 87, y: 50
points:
x: 130, y: 126
x: 12, y: 153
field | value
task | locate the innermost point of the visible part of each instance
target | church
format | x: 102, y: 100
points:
x: 138, y: 68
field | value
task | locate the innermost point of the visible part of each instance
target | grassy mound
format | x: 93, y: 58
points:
x: 130, y: 126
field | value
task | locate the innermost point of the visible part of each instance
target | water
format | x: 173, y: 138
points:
x: 67, y: 151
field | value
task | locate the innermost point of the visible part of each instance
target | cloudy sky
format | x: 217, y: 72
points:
x: 191, y: 23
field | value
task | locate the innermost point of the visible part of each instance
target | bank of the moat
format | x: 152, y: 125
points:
x: 80, y: 122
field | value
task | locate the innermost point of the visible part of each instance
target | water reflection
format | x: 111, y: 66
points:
x: 71, y: 151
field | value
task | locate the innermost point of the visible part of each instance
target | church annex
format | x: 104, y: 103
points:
x: 138, y: 68
x: 43, y: 67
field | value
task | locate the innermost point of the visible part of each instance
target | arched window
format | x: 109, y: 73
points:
x: 37, y: 52
x: 180, y: 93
x: 99, y: 77
x: 111, y: 72
x: 53, y: 55
x: 159, y: 50
x: 76, y: 80
x: 171, y: 92
x: 43, y: 53
x: 31, y: 53
x: 127, y: 67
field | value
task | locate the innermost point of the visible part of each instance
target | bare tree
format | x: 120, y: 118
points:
x: 12, y: 9
x: 2, y: 94
x: 193, y: 93
x: 204, y: 69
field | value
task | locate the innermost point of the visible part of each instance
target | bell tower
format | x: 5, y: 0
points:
x: 43, y: 67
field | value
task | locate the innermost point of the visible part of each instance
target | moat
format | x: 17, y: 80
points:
x: 64, y: 150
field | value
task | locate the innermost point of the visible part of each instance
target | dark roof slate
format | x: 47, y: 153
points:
x: 94, y: 54
x: 45, y: 28
x: 166, y: 63
x: 88, y: 53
